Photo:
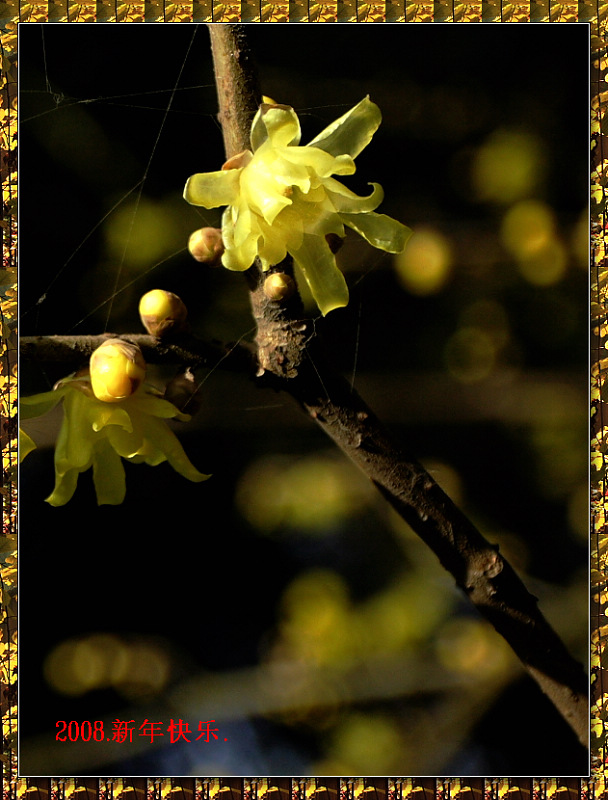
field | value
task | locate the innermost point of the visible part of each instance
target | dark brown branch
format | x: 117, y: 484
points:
x: 75, y: 351
x: 287, y: 352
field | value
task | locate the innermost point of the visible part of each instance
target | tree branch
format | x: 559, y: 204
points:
x: 237, y: 86
x: 189, y: 351
x: 293, y: 360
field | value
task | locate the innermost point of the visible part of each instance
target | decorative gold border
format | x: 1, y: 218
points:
x: 217, y: 788
x: 299, y: 11
x: 229, y: 11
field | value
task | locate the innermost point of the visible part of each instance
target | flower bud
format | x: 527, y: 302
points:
x: 206, y: 246
x: 117, y: 370
x: 162, y: 313
x: 279, y: 287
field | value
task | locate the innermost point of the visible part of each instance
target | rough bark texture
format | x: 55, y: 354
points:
x: 237, y: 87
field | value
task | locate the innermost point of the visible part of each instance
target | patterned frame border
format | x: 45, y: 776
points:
x: 300, y: 11
x: 205, y: 11
x: 307, y: 789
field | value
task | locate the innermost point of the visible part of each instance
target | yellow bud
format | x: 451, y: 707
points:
x: 268, y: 100
x: 206, y: 246
x: 117, y: 370
x: 279, y: 286
x: 162, y: 313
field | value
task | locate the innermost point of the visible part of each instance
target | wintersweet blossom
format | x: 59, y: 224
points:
x: 281, y: 198
x: 97, y: 433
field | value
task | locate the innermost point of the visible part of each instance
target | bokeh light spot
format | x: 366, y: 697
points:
x: 470, y: 646
x: 528, y: 232
x: 368, y: 744
x: 424, y: 266
x: 308, y: 494
x: 138, y: 235
x: 507, y: 166
x: 470, y: 355
x: 315, y: 612
x: 100, y: 660
x: 527, y: 227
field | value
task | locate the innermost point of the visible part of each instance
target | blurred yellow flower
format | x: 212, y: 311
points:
x: 282, y: 199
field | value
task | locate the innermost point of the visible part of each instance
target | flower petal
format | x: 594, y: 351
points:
x: 316, y: 216
x: 379, y: 230
x: 318, y: 265
x: 286, y: 200
x: 272, y: 249
x: 352, y: 131
x: 213, y: 189
x: 65, y: 486
x: 241, y: 258
x: 76, y: 439
x: 345, y: 201
x: 37, y: 404
x: 266, y: 183
x: 277, y: 122
x: 108, y: 475
x: 155, y: 406
x: 102, y: 414
x: 166, y: 441
x: 26, y: 444
x: 125, y: 443
x: 324, y: 164
x: 258, y: 134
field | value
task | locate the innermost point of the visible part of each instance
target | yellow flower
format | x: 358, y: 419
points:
x: 282, y: 199
x: 96, y: 434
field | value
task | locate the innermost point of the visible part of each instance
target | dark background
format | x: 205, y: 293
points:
x: 188, y: 569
